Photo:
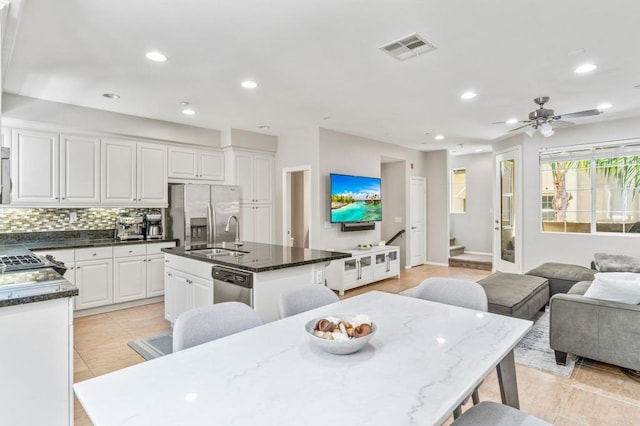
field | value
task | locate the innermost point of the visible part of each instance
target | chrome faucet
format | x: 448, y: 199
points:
x: 226, y: 229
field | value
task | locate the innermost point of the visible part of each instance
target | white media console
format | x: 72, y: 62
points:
x: 364, y: 267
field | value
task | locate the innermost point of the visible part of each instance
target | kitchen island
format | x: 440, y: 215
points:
x: 273, y: 269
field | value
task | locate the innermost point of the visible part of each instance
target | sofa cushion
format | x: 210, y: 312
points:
x: 605, y: 262
x: 563, y: 271
x: 623, y: 287
x: 580, y: 288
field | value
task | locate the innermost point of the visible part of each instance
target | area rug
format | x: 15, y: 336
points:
x: 534, y: 350
x: 153, y: 347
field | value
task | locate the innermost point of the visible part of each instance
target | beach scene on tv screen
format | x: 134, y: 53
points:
x: 355, y: 199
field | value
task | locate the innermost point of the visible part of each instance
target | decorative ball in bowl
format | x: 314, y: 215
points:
x: 341, y: 334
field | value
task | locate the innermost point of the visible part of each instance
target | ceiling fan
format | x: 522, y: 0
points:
x: 542, y: 118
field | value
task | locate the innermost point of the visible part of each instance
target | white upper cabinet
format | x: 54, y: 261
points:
x: 35, y: 167
x: 152, y: 174
x: 134, y: 173
x: 119, y: 172
x: 189, y: 163
x: 254, y: 175
x: 79, y: 170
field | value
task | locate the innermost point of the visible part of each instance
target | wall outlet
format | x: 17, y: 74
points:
x: 397, y: 220
x: 319, y: 277
x: 73, y: 217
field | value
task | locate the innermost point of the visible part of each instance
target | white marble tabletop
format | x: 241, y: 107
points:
x: 423, y: 360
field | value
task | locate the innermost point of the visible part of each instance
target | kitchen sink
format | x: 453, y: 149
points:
x: 216, y: 252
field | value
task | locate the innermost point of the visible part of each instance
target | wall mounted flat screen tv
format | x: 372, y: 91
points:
x: 355, y: 199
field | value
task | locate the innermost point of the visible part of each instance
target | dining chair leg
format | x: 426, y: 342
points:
x: 475, y: 397
x: 457, y: 412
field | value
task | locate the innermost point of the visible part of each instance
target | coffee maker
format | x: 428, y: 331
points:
x: 153, y: 226
x: 130, y: 228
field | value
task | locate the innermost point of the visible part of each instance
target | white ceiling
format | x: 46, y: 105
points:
x: 317, y: 62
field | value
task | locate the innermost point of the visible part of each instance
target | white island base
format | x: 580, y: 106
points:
x: 188, y: 285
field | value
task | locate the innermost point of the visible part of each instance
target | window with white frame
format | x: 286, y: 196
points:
x: 591, y: 188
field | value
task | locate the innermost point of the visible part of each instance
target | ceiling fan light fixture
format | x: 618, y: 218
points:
x: 546, y: 130
x: 530, y: 131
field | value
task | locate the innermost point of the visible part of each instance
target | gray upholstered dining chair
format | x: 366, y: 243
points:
x: 466, y: 294
x: 493, y: 414
x: 305, y: 298
x: 201, y: 325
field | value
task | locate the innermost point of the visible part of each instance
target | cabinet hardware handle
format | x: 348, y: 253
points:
x: 139, y: 199
x: 166, y: 261
x: 169, y: 274
x: 189, y: 281
x: 95, y: 254
x: 133, y: 199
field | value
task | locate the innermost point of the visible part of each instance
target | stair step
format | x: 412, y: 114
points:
x: 472, y: 261
x: 452, y: 241
x: 456, y: 250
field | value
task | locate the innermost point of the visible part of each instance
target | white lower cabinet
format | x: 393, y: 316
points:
x: 114, y: 274
x: 364, y: 267
x: 37, y: 360
x: 184, y: 292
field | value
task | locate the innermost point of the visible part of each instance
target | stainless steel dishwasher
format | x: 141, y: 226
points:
x: 232, y: 285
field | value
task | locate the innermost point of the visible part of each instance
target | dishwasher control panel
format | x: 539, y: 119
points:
x: 232, y: 276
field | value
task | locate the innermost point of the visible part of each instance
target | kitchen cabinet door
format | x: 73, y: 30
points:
x: 152, y: 187
x: 183, y: 163
x: 118, y: 172
x: 263, y: 224
x: 35, y: 167
x: 177, y: 295
x: 155, y: 275
x: 201, y: 292
x: 244, y: 177
x: 79, y: 170
x: 94, y: 279
x: 211, y: 165
x: 129, y: 278
x: 263, y: 179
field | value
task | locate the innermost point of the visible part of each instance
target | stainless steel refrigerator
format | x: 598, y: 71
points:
x: 199, y: 214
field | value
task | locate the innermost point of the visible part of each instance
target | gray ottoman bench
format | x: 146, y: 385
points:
x: 562, y: 276
x: 516, y: 295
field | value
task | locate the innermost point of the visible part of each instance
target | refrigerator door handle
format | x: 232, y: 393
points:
x: 210, y: 221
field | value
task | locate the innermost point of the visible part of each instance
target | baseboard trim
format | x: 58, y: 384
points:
x: 437, y: 264
x: 117, y: 306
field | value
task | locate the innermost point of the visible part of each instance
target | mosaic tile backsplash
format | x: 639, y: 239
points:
x: 14, y: 220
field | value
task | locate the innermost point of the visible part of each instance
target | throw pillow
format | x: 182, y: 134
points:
x: 623, y: 287
x: 616, y: 263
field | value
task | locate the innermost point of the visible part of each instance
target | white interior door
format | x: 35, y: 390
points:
x: 418, y: 221
x: 507, y: 225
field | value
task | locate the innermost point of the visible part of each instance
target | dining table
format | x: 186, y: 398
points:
x: 423, y: 361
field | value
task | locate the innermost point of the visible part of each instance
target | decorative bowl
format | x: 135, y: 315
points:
x: 338, y: 347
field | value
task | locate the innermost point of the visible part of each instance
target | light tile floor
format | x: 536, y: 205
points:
x: 595, y: 394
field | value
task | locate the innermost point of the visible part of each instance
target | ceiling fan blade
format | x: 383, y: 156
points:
x: 518, y: 128
x: 562, y: 123
x: 504, y: 122
x: 586, y: 113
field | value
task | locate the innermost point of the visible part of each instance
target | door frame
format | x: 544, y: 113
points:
x: 514, y: 153
x: 286, y: 201
x: 409, y: 263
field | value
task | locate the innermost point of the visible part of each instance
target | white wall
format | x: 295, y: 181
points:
x: 88, y: 119
x: 578, y: 249
x: 250, y: 140
x: 394, y: 200
x: 437, y: 207
x: 473, y: 229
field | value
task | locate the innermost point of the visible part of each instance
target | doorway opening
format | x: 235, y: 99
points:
x: 296, y: 217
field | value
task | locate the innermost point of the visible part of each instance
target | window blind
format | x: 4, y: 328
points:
x: 620, y: 148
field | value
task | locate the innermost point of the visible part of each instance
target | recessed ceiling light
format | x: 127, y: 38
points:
x: 479, y: 150
x: 585, y: 68
x: 248, y: 84
x: 468, y: 95
x: 111, y: 95
x: 604, y: 106
x: 512, y: 121
x: 188, y: 111
x: 439, y: 137
x: 156, y: 56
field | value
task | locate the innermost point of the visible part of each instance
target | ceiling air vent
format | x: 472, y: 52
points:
x: 408, y: 47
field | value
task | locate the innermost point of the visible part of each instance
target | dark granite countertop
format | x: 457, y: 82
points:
x: 259, y: 257
x: 55, y: 240
x: 34, y: 285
